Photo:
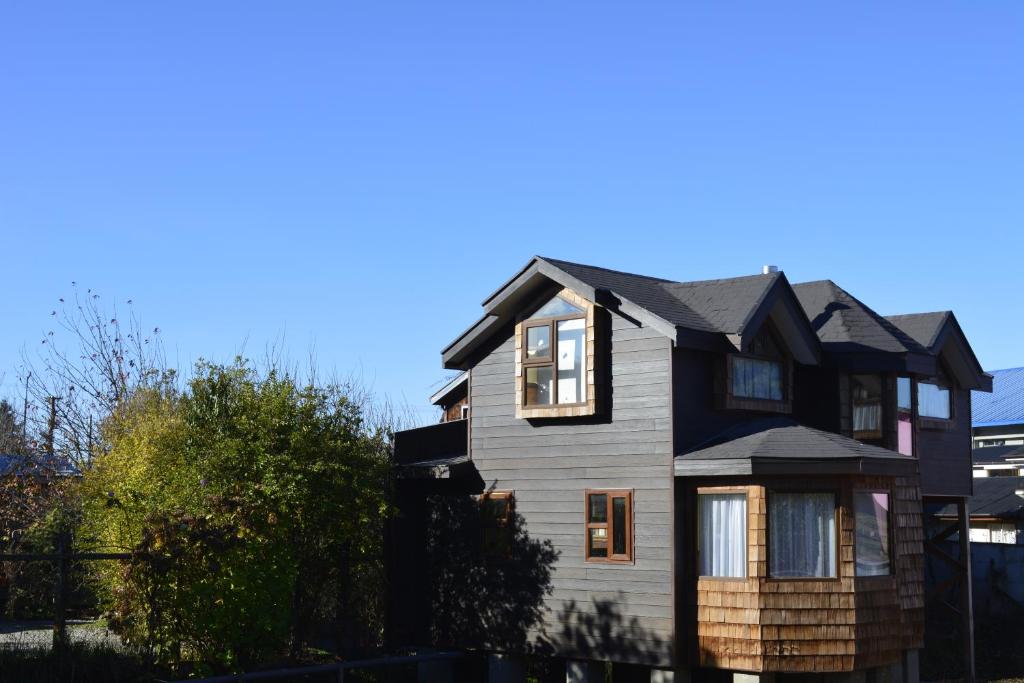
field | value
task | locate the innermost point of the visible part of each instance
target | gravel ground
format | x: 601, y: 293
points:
x: 39, y: 634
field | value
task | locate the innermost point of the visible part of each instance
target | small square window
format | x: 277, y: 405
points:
x: 609, y: 526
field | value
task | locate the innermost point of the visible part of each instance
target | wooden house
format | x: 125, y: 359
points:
x: 710, y: 478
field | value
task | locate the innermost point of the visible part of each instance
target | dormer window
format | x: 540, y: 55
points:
x: 554, y: 363
x: 760, y: 378
x: 555, y: 359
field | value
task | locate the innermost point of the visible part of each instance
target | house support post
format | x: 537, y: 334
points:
x: 967, y: 589
x: 584, y: 671
x: 912, y: 666
x: 506, y: 669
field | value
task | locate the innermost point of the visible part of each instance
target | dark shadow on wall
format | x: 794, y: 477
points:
x: 599, y: 630
x: 483, y: 600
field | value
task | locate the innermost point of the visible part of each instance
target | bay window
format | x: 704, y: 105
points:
x: 802, y: 535
x: 872, y: 547
x: 722, y: 537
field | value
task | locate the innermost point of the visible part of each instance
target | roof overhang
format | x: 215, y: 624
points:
x: 501, y: 307
x: 888, y: 466
x: 951, y: 345
x: 449, y: 387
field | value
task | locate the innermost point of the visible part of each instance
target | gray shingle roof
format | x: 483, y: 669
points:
x: 707, y: 305
x: 993, y: 497
x: 784, y: 440
x: 991, y: 455
x: 845, y: 324
x: 924, y: 328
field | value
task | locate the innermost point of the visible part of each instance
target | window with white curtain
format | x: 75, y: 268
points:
x: 871, y: 513
x: 756, y: 378
x: 802, y: 535
x: 866, y: 392
x: 722, y: 542
x: 933, y: 400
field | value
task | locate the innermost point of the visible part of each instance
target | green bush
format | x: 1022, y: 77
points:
x: 253, y: 507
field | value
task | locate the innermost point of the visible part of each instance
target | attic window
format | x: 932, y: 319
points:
x: 554, y: 355
x: 759, y: 379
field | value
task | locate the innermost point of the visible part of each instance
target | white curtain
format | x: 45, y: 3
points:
x: 867, y: 417
x: 723, y: 534
x: 802, y: 534
x: 756, y: 378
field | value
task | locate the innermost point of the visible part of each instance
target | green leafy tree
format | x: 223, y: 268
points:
x: 254, y: 507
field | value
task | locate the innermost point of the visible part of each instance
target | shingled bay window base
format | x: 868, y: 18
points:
x: 850, y: 623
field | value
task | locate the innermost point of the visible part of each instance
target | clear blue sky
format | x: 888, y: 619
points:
x: 360, y: 177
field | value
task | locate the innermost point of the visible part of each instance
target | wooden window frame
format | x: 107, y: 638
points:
x: 878, y: 435
x: 890, y: 532
x: 502, y: 524
x: 719, y: 490
x: 835, y: 493
x: 551, y: 360
x: 611, y: 494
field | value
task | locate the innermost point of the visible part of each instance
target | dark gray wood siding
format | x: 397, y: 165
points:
x: 621, y: 612
x: 945, y: 454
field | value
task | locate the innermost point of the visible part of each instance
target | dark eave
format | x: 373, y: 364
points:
x: 940, y: 333
x: 782, y: 446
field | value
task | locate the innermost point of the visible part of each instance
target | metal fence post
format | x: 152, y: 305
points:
x: 60, y: 635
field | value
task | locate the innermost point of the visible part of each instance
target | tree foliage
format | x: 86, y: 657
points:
x: 253, y: 504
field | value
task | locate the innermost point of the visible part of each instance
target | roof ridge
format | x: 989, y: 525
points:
x: 555, y: 261
x: 910, y: 315
x: 775, y: 275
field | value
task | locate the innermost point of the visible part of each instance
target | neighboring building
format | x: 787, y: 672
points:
x: 453, y: 398
x: 674, y: 476
x: 998, y: 417
x: 997, y: 510
x: 998, y: 461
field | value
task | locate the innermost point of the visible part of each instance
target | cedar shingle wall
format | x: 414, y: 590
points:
x: 761, y: 624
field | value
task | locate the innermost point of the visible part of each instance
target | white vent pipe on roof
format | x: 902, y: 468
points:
x: 767, y: 270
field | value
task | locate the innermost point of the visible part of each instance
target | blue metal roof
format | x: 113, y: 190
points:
x: 1005, y: 405
x: 21, y: 465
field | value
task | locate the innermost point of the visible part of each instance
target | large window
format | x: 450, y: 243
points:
x: 554, y: 353
x: 609, y: 526
x: 802, y: 535
x: 933, y: 399
x: 871, y: 513
x: 866, y: 393
x: 722, y: 541
x: 756, y: 378
x: 904, y: 416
